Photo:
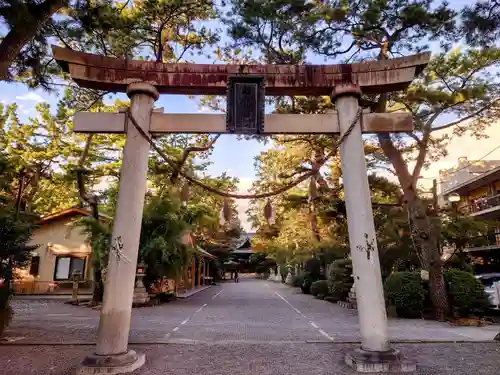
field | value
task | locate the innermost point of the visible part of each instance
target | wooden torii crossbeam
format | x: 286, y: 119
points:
x: 246, y: 86
x: 110, y: 74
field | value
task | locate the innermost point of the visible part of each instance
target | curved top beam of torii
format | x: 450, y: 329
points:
x: 112, y: 74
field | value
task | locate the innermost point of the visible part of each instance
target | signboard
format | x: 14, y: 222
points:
x: 245, y: 105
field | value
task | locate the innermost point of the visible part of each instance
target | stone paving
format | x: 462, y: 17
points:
x: 253, y: 327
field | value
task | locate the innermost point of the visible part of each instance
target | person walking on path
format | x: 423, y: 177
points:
x: 236, y: 280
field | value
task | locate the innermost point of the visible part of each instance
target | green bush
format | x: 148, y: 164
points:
x: 298, y: 280
x: 465, y: 293
x: 283, y: 272
x: 404, y: 291
x: 320, y: 288
x: 340, y: 279
x: 5, y: 318
x: 307, y: 281
x: 313, y: 269
x: 5, y: 309
x: 5, y: 294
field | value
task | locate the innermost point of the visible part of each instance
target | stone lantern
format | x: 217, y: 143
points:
x: 141, y: 296
x: 76, y: 276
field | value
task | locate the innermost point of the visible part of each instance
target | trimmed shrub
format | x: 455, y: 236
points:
x: 306, y: 284
x: 298, y: 280
x: 320, y: 288
x: 283, y: 272
x: 404, y: 291
x: 5, y: 309
x: 313, y: 269
x: 465, y: 293
x: 5, y: 318
x: 340, y: 279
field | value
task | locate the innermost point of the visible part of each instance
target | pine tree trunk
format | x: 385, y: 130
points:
x: 437, y: 292
x: 21, y: 34
x: 426, y: 242
x: 423, y: 233
x: 98, y: 291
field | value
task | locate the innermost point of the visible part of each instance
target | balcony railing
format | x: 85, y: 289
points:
x: 488, y: 241
x: 483, y: 204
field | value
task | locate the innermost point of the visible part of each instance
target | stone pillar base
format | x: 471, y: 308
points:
x: 111, y: 364
x: 379, y: 362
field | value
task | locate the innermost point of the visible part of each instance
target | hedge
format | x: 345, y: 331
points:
x: 404, y: 291
x: 465, y: 293
x: 340, y: 278
x: 320, y: 288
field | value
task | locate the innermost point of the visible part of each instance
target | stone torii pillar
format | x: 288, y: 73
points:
x: 375, y: 354
x: 112, y: 355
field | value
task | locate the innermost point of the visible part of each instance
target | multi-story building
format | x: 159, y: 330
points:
x: 478, y: 186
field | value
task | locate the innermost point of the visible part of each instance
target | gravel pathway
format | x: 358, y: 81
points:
x: 252, y: 359
x: 253, y: 327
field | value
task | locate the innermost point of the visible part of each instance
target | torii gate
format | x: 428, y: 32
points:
x: 246, y: 86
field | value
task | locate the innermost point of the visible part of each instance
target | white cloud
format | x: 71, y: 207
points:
x: 31, y: 97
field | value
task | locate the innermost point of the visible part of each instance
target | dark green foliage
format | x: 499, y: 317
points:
x: 15, y: 232
x: 306, y: 284
x: 165, y: 297
x: 160, y: 248
x: 341, y: 281
x: 5, y: 294
x: 313, y: 269
x: 99, y: 236
x: 405, y: 291
x: 312, y: 273
x: 320, y: 288
x: 166, y: 30
x: 259, y: 263
x: 283, y: 272
x: 480, y: 23
x: 298, y: 280
x: 14, y: 253
x: 466, y: 293
x: 248, y: 20
x: 5, y: 317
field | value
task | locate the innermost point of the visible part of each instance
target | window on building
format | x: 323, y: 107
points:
x: 35, y: 265
x: 66, y: 265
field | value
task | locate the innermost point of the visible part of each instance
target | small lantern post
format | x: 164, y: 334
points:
x: 76, y: 277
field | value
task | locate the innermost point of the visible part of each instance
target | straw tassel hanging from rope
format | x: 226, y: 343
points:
x: 269, y: 213
x: 225, y: 212
x: 185, y: 194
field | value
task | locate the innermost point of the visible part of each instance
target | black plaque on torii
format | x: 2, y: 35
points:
x: 245, y: 105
